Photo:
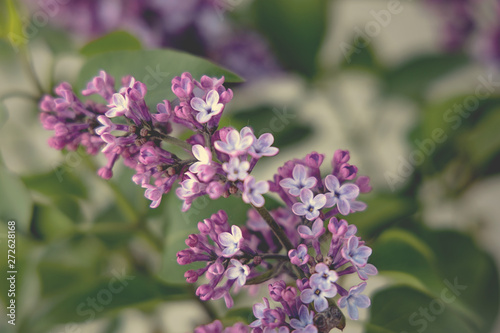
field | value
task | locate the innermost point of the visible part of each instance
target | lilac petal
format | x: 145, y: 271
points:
x: 358, y: 289
x: 317, y: 228
x: 258, y: 200
x: 299, y: 172
x: 266, y: 139
x: 332, y: 183
x: 295, y: 323
x: 270, y: 151
x: 304, y: 232
x: 233, y: 273
x: 212, y: 98
x: 198, y: 104
x: 349, y: 191
x: 262, y: 187
x: 352, y: 243
x: 312, y: 215
x: 352, y: 310
x: 364, y: 251
x: 233, y: 138
x: 357, y: 206
x: 362, y: 301
x: 306, y: 195
x: 321, y: 268
x: 287, y: 183
x: 320, y: 304
x: 331, y: 200
x: 342, y: 302
x: 226, y: 239
x: 222, y: 146
x: 236, y: 231
x: 344, y: 206
x: 299, y: 209
x: 319, y: 201
x: 330, y: 292
x: 229, y: 251
x: 307, y: 296
x: 310, y: 182
x: 203, y: 117
x: 216, y: 109
x: 246, y: 142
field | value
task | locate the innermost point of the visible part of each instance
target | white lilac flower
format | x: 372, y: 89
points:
x: 238, y: 271
x: 206, y: 110
x: 235, y: 143
x: 119, y: 106
x: 340, y: 195
x: 231, y: 241
x: 236, y: 169
x: 262, y: 146
x: 310, y: 204
x: 252, y: 191
x: 324, y: 278
x: 299, y: 181
x: 354, y: 300
x: 204, y: 157
x: 357, y: 255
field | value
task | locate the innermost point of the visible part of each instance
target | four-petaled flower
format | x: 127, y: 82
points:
x: 235, y: 144
x: 236, y: 169
x: 299, y: 256
x: 312, y: 233
x: 354, y: 300
x: 119, y: 106
x: 262, y: 146
x: 258, y: 312
x: 324, y: 278
x: 204, y: 157
x: 305, y: 323
x: 206, y: 110
x: 318, y: 296
x: 299, y: 181
x: 310, y: 204
x: 252, y: 191
x: 340, y: 195
x: 238, y: 272
x: 231, y: 241
x: 363, y: 272
x: 357, y: 255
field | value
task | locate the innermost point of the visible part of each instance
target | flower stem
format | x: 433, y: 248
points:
x: 277, y: 230
x: 173, y: 140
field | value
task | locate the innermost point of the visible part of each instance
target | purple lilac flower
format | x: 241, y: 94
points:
x: 318, y: 296
x: 363, y: 272
x: 235, y: 144
x: 299, y: 181
x: 354, y: 300
x: 236, y: 169
x: 207, y: 109
x: 312, y: 233
x: 304, y: 324
x: 231, y: 241
x: 204, y: 157
x: 238, y: 272
x: 310, y: 204
x: 252, y: 191
x: 262, y: 146
x: 324, y: 278
x: 357, y: 255
x: 340, y: 195
x: 258, y: 312
x: 299, y: 256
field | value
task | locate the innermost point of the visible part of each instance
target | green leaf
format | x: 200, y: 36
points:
x: 383, y: 211
x: 59, y: 41
x: 55, y: 184
x: 295, y: 28
x: 239, y: 315
x: 357, y: 57
x: 15, y: 202
x: 155, y: 68
x: 180, y: 225
x: 413, y: 78
x: 482, y: 143
x: 114, y: 41
x: 50, y: 223
x: 447, y: 274
x: 11, y: 26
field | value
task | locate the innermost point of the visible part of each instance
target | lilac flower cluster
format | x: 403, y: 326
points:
x: 170, y: 23
x: 279, y: 246
x: 246, y: 255
x: 219, y: 162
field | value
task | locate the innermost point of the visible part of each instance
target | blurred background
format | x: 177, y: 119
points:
x: 411, y: 88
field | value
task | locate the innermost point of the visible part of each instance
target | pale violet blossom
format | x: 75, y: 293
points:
x: 262, y: 146
x: 235, y: 143
x: 236, y: 169
x: 119, y: 106
x: 238, y: 272
x: 340, y: 195
x: 252, y: 191
x: 310, y: 204
x: 207, y: 109
x: 354, y: 300
x: 299, y: 181
x: 204, y: 157
x: 231, y: 241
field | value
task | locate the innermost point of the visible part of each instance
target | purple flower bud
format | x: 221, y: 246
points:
x: 191, y: 276
x: 275, y: 290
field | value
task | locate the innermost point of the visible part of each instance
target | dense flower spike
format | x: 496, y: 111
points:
x: 276, y: 246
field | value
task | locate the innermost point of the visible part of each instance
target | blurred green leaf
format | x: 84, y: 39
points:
x: 449, y: 270
x: 357, y: 57
x: 114, y: 41
x: 15, y: 202
x: 49, y: 223
x: 482, y: 143
x: 11, y: 26
x: 295, y: 28
x: 180, y: 225
x: 383, y: 211
x: 56, y: 184
x: 4, y: 114
x: 284, y: 124
x: 155, y: 68
x: 244, y: 315
x: 59, y: 41
x: 413, y: 77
